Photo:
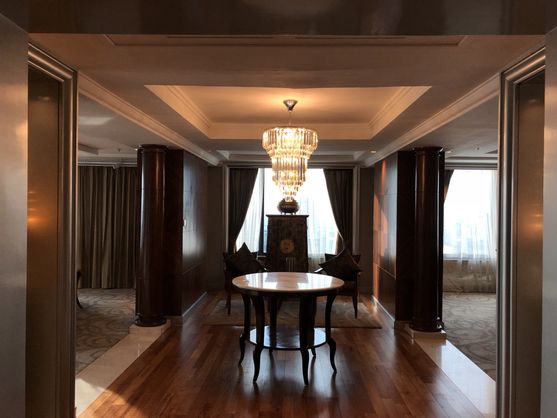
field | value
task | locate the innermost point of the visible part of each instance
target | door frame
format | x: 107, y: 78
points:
x: 507, y: 337
x: 64, y: 327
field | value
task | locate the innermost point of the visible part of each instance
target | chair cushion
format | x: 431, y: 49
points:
x: 242, y: 262
x: 342, y: 266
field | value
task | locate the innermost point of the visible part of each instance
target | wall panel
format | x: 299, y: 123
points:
x: 393, y: 239
x: 13, y: 217
x: 185, y: 230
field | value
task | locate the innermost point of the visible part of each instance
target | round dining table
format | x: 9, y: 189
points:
x: 274, y: 287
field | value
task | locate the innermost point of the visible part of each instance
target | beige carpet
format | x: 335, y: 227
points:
x: 104, y: 320
x: 342, y: 315
x: 470, y: 322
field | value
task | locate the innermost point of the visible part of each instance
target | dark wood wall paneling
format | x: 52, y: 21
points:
x: 173, y: 222
x: 185, y: 230
x: 195, y: 228
x: 366, y: 225
x: 216, y: 244
x: 393, y: 236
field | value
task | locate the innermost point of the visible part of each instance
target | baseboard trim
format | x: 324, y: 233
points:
x: 176, y: 320
x: 400, y: 324
x: 417, y: 335
x: 385, y: 311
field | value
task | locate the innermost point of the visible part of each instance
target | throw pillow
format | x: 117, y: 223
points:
x: 342, y: 266
x: 243, y: 262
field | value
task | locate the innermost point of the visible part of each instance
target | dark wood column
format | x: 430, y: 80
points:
x: 427, y: 240
x: 150, y: 217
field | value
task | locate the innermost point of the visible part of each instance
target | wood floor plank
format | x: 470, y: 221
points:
x: 192, y: 371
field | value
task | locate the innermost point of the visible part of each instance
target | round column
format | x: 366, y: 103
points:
x: 427, y: 241
x: 150, y: 216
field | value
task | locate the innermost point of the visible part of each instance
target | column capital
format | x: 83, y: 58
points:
x: 152, y: 148
x: 428, y: 150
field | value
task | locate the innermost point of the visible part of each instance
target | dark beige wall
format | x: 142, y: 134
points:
x: 549, y: 298
x: 529, y: 244
x: 13, y: 217
x: 43, y: 268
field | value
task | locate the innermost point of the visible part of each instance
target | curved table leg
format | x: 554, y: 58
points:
x: 260, y: 332
x: 306, y: 330
x: 330, y: 341
x: 313, y: 310
x: 273, y: 322
x: 247, y: 327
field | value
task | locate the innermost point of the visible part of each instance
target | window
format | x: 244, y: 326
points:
x: 313, y: 199
x: 470, y: 219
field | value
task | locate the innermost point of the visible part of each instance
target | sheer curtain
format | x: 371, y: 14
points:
x: 251, y: 229
x: 470, y: 234
x: 314, y: 201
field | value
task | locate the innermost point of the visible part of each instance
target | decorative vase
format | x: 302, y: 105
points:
x: 285, y: 207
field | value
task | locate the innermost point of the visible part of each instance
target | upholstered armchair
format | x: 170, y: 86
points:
x: 345, y: 267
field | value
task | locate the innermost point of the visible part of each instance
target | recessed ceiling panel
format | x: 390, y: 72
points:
x: 244, y: 112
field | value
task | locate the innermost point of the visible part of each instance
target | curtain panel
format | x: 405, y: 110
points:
x: 106, y: 226
x: 447, y: 181
x: 241, y: 183
x: 250, y: 233
x: 339, y: 186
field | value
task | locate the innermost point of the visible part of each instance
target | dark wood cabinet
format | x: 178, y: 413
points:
x: 287, y: 243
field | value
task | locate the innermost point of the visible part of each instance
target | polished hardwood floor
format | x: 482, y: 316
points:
x: 192, y: 371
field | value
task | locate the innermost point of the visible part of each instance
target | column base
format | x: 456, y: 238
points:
x: 150, y: 331
x: 150, y: 322
x: 416, y: 335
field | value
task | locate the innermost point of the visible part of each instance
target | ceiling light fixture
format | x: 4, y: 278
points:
x: 289, y: 148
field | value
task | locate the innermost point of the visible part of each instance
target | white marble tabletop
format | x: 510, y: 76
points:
x: 287, y: 282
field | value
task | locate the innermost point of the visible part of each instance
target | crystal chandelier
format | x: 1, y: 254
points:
x: 289, y: 148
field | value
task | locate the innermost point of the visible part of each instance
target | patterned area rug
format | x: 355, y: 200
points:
x: 104, y: 320
x: 470, y: 322
x: 342, y: 315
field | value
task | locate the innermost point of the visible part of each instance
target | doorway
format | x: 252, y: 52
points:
x: 50, y: 238
x: 470, y: 264
x: 521, y: 238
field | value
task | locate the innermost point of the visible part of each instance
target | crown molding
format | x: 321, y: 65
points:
x: 88, y: 149
x: 394, y: 107
x: 325, y: 131
x: 474, y: 98
x: 174, y: 97
x: 93, y: 90
x: 177, y: 99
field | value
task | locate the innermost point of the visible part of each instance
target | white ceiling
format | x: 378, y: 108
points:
x: 472, y: 138
x: 362, y: 93
x: 106, y: 134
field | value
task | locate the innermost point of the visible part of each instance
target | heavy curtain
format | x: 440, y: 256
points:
x: 446, y: 182
x: 251, y: 229
x: 339, y: 186
x: 470, y: 232
x: 241, y: 183
x: 106, y: 226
